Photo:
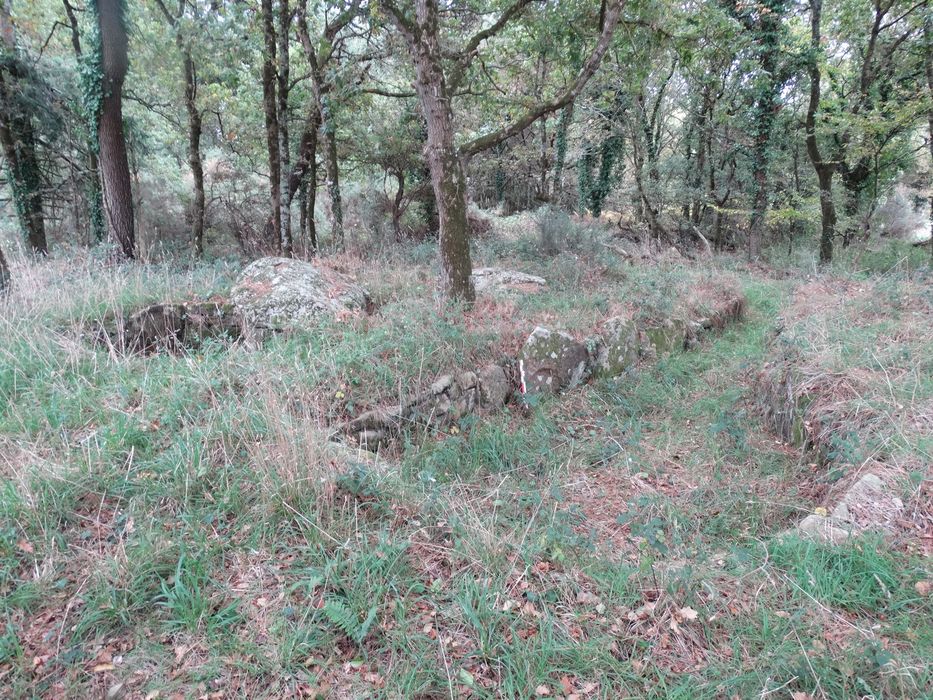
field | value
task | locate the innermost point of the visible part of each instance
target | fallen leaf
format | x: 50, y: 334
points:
x: 542, y: 691
x: 923, y: 587
x: 688, y: 614
x: 566, y: 684
x: 101, y: 668
x: 25, y: 547
x: 466, y: 678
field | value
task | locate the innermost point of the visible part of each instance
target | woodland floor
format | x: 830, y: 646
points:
x: 178, y: 526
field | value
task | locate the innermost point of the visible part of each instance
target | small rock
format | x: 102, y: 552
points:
x: 494, y: 387
x: 822, y: 529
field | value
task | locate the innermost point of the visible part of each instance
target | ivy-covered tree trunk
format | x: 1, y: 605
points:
x: 18, y: 140
x: 93, y: 196
x: 304, y: 175
x: 824, y: 170
x: 5, y: 280
x: 768, y: 31
x: 928, y: 65
x: 194, y: 155
x: 282, y: 91
x: 560, y: 154
x: 115, y: 169
x: 270, y: 111
x: 445, y: 160
x: 332, y: 165
x: 317, y: 61
x: 397, y: 210
x: 194, y: 128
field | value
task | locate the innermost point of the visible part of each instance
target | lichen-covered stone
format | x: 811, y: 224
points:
x: 619, y: 347
x: 866, y: 505
x: 667, y: 336
x: 280, y: 293
x: 494, y: 387
x: 552, y: 361
x: 495, y: 278
x: 823, y: 529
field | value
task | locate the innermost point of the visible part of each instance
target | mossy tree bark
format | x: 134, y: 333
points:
x: 5, y: 279
x: 282, y: 92
x: 115, y: 169
x: 318, y: 59
x: 92, y: 189
x: 195, y: 119
x: 765, y: 22
x: 928, y: 66
x: 824, y: 170
x: 270, y: 112
x: 18, y: 140
x: 435, y: 88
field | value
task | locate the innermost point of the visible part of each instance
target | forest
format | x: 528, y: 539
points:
x: 466, y: 348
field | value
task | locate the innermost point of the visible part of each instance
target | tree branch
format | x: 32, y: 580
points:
x: 470, y: 50
x: 483, y: 143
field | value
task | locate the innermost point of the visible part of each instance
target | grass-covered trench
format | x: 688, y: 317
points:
x: 180, y: 526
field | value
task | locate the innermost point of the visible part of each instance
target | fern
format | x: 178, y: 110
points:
x: 344, y: 618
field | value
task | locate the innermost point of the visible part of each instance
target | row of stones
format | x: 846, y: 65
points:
x: 549, y: 362
x: 786, y: 401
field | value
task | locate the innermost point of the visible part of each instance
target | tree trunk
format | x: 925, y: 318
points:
x: 764, y: 114
x: 270, y: 111
x: 325, y: 112
x: 5, y: 279
x: 194, y: 154
x: 448, y: 178
x: 397, y: 205
x: 307, y: 161
x: 928, y: 64
x: 18, y: 141
x: 92, y: 190
x: 560, y: 156
x: 333, y: 174
x: 118, y: 192
x: 448, y: 175
x: 285, y: 194
x: 824, y: 170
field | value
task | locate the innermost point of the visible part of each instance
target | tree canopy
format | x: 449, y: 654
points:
x: 198, y: 126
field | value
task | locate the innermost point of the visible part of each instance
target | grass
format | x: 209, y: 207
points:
x: 180, y: 524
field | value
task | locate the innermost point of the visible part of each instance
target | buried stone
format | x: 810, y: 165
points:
x: 171, y: 327
x: 867, y: 505
x: 446, y: 401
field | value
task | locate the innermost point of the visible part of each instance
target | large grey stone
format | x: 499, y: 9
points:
x: 619, y: 347
x: 494, y: 278
x: 552, y: 361
x: 667, y: 336
x: 280, y: 293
